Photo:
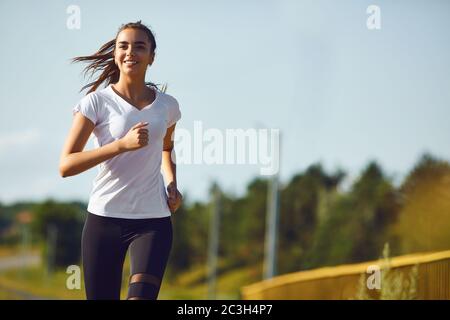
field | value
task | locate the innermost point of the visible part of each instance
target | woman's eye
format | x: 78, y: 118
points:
x: 139, y: 47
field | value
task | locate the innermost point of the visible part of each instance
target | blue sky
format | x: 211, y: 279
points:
x: 339, y: 93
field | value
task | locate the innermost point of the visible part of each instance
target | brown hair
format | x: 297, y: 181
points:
x: 103, y: 59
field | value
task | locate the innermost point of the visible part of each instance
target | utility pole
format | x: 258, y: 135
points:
x: 270, y: 269
x: 213, y: 246
x: 270, y: 255
x: 52, y: 234
x: 25, y: 245
x: 24, y: 218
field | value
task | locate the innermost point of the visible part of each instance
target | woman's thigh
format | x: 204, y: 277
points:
x: 149, y: 253
x: 103, y: 254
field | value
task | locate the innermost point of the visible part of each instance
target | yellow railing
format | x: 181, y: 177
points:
x: 341, y: 282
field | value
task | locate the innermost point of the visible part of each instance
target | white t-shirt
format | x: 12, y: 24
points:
x: 129, y: 185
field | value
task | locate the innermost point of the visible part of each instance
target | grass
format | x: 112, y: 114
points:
x: 395, y: 284
x: 188, y: 285
x: 34, y: 280
x: 7, y: 251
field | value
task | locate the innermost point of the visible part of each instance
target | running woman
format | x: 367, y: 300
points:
x: 132, y: 122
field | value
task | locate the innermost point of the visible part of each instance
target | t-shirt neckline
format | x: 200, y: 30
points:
x: 129, y: 104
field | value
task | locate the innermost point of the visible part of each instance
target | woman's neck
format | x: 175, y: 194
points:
x: 133, y: 89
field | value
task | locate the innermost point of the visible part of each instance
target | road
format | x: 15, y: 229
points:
x: 20, y: 261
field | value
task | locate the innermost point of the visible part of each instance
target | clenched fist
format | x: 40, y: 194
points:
x: 174, y: 197
x: 136, y: 138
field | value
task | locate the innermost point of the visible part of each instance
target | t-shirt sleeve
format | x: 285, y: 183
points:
x: 174, y: 113
x: 87, y: 107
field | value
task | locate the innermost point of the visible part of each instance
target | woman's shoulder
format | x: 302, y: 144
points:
x: 172, y: 107
x: 167, y: 98
x: 95, y: 100
x: 99, y: 96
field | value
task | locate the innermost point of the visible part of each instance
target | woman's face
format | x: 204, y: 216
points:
x: 133, y: 52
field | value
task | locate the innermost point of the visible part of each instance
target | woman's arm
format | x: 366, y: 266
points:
x: 73, y: 159
x: 170, y: 171
x: 168, y: 166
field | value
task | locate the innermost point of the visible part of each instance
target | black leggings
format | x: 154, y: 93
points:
x: 104, y: 245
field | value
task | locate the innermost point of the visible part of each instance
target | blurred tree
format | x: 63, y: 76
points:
x: 190, y: 231
x: 304, y: 203
x: 243, y: 225
x: 65, y: 221
x: 355, y: 229
x: 424, y: 221
x: 377, y: 205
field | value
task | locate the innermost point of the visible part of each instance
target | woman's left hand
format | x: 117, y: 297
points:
x: 174, y: 197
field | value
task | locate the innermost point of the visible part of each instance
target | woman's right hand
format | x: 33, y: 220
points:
x: 136, y: 137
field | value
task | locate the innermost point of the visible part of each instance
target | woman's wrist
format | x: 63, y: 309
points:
x: 120, y: 146
x: 173, y: 183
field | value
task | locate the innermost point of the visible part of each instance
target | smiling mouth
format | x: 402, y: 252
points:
x: 130, y: 62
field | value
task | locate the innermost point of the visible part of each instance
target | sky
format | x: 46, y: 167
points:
x: 339, y: 93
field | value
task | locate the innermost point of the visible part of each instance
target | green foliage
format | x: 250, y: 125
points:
x: 190, y: 231
x: 9, y: 233
x: 243, y: 224
x: 356, y: 222
x: 59, y: 227
x: 304, y: 206
x: 424, y: 220
x: 319, y: 224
